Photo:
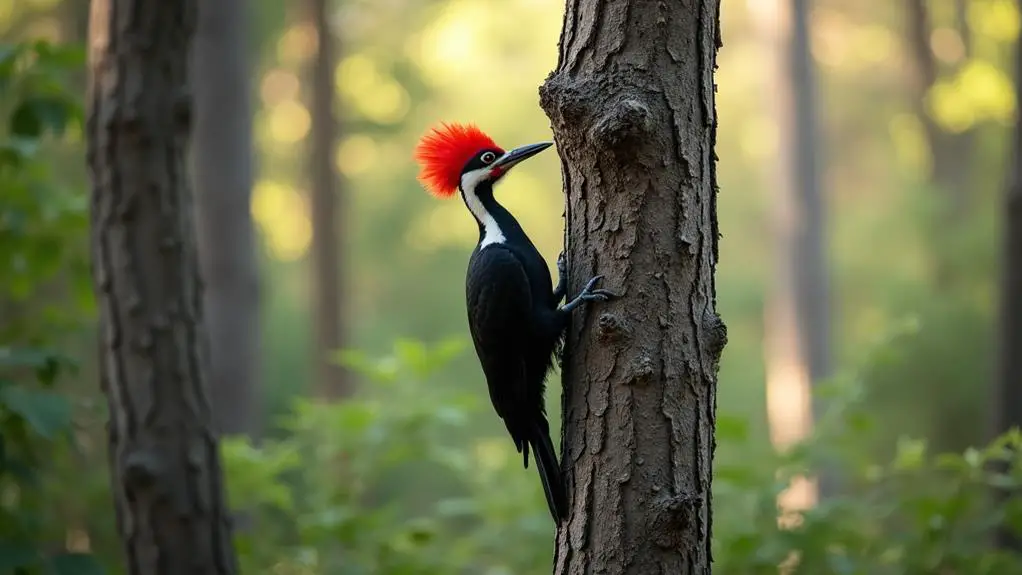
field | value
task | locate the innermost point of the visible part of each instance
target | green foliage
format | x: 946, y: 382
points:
x: 42, y: 221
x: 918, y: 513
x: 42, y: 226
x: 387, y: 484
x: 391, y: 484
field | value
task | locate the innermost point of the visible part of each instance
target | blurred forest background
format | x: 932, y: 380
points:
x: 389, y: 459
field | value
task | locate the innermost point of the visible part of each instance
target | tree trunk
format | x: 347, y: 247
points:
x: 332, y: 379
x: 949, y: 153
x: 222, y: 161
x: 797, y: 319
x: 164, y: 464
x: 633, y: 112
x: 1008, y: 412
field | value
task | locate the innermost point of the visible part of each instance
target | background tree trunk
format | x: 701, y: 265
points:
x: 222, y: 160
x: 797, y: 318
x: 1008, y: 400
x: 164, y: 464
x: 633, y: 114
x: 332, y: 379
x: 949, y: 153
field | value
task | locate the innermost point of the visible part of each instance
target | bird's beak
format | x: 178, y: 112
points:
x: 509, y: 159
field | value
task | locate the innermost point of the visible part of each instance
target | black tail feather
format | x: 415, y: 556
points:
x: 549, y: 471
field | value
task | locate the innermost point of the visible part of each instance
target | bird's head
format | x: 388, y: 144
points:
x: 456, y: 157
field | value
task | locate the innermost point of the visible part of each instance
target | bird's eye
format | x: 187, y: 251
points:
x: 488, y: 157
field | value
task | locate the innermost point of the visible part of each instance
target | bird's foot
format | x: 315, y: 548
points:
x: 562, y: 278
x: 590, y: 293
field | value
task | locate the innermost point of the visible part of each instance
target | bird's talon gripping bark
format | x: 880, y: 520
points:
x: 562, y: 278
x: 589, y: 293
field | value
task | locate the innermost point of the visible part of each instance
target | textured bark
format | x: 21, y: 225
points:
x: 1008, y: 411
x: 633, y: 112
x: 164, y: 464
x: 222, y: 161
x: 797, y: 335
x: 332, y: 380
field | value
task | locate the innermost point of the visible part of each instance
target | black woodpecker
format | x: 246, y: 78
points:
x: 513, y: 311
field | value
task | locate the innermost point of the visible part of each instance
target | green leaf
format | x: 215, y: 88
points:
x: 25, y: 122
x: 16, y: 556
x: 35, y: 115
x: 47, y: 413
x: 911, y: 454
x: 75, y: 564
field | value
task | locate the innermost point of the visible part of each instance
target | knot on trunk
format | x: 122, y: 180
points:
x: 567, y: 101
x: 142, y: 469
x: 671, y: 518
x: 715, y: 336
x: 625, y: 124
x: 611, y: 328
x: 640, y: 371
x: 607, y: 111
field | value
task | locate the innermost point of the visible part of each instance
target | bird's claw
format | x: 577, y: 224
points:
x: 591, y: 293
x: 562, y: 278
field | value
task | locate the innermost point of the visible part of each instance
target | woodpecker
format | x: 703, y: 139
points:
x: 513, y: 312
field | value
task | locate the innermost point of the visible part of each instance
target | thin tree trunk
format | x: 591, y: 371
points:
x: 1008, y: 412
x: 812, y: 278
x: 164, y: 463
x: 222, y: 161
x: 332, y: 379
x: 949, y: 153
x: 797, y: 341
x: 633, y: 111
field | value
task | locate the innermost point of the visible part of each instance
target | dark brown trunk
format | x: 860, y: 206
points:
x: 1009, y: 382
x: 633, y: 111
x: 164, y: 464
x: 332, y: 380
x: 222, y: 161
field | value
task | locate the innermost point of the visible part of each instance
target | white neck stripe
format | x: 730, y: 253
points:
x: 492, y: 233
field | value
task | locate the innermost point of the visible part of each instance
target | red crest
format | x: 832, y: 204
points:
x: 444, y: 151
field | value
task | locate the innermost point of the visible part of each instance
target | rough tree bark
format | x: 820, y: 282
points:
x: 632, y: 107
x: 222, y: 162
x: 332, y: 379
x: 797, y: 318
x: 1008, y: 388
x: 164, y: 464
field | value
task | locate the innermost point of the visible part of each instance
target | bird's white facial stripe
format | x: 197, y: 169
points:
x: 470, y: 180
x: 491, y: 231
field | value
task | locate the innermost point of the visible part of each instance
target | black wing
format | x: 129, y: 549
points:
x: 500, y: 312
